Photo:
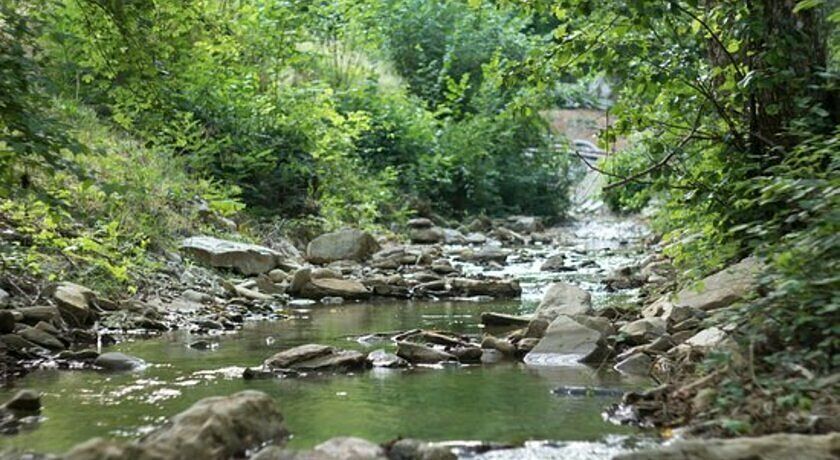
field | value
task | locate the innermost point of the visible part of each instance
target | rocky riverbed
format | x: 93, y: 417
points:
x: 549, y: 320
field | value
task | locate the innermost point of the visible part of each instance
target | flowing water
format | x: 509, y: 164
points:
x: 507, y: 403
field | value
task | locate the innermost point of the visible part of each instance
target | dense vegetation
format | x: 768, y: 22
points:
x: 119, y: 117
x: 733, y: 110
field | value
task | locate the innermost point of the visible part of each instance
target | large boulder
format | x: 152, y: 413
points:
x: 567, y: 342
x: 773, y: 447
x: 329, y: 287
x: 74, y: 303
x: 219, y: 427
x: 564, y: 299
x: 722, y: 288
x: 248, y: 259
x: 345, y: 244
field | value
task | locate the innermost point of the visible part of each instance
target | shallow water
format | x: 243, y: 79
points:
x: 509, y: 402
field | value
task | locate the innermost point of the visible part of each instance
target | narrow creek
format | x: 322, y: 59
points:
x: 504, y: 403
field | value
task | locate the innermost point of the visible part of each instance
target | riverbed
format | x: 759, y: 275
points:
x: 509, y: 402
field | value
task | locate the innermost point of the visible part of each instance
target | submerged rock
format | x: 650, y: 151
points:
x: 567, y: 342
x: 564, y: 299
x: 345, y: 244
x: 286, y: 358
x: 317, y: 358
x: 116, y: 361
x: 248, y: 259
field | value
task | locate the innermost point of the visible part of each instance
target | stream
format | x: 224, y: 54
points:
x: 508, y: 403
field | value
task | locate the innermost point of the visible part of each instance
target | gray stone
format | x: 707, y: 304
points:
x: 499, y: 288
x: 416, y: 353
x: 345, y: 244
x: 564, y: 299
x: 24, y: 401
x: 42, y: 338
x: 74, y: 303
x: 452, y: 236
x: 773, y: 447
x: 34, y: 315
x: 643, y: 330
x: 5, y: 298
x: 486, y: 254
x: 430, y: 235
x: 555, y: 263
x: 248, y: 259
x: 525, y: 224
x: 286, y: 358
x: 116, y: 361
x: 277, y: 275
x: 567, y: 342
x: 475, y: 238
x: 381, y: 358
x: 707, y: 338
x: 336, y: 361
x: 349, y: 448
x: 536, y: 328
x: 326, y: 287
x: 722, y: 288
x: 635, y: 364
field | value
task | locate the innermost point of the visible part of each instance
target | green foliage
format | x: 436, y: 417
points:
x: 98, y: 229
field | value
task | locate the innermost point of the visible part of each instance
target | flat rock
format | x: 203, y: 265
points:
x: 722, y: 288
x: 34, y: 315
x: 345, y: 244
x: 42, y: 338
x: 564, y: 299
x: 286, y: 358
x: 486, y: 254
x: 707, y: 338
x: 248, y: 259
x: 567, y: 342
x: 328, y: 287
x: 773, y: 447
x: 499, y: 288
x: 336, y: 361
x: 416, y: 353
x: 116, y: 361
